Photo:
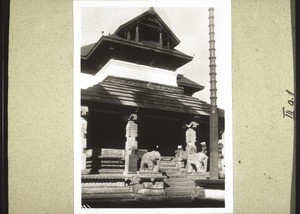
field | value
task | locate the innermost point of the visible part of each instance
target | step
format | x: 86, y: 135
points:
x: 108, y: 196
x: 180, y: 188
x: 180, y: 198
x: 176, y: 179
x: 179, y: 193
x: 167, y: 158
x: 112, y: 162
x: 175, y: 174
x: 111, y: 166
x: 175, y: 184
x: 167, y: 161
x: 106, y: 190
x: 112, y: 171
x: 168, y: 169
x: 142, y: 197
x: 168, y: 165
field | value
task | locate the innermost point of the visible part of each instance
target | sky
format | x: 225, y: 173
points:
x: 189, y: 24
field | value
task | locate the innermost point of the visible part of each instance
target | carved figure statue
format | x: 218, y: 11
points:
x: 197, y: 162
x: 150, y: 162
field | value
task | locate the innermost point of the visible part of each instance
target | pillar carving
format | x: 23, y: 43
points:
x: 190, y: 137
x: 131, y: 145
x: 131, y: 133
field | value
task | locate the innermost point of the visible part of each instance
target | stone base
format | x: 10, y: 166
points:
x: 156, y: 192
x: 197, y: 175
x: 151, y: 195
x: 142, y: 197
x: 156, y: 185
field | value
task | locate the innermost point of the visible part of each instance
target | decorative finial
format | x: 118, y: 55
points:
x: 152, y: 11
x: 193, y: 124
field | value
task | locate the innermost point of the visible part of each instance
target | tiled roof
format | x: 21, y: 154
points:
x: 120, y: 91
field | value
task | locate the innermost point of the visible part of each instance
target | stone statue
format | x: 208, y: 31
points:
x: 150, y: 162
x: 197, y: 162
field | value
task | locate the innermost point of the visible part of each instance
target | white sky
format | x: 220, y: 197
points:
x: 189, y: 24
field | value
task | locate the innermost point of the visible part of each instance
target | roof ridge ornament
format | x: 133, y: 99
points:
x: 152, y: 11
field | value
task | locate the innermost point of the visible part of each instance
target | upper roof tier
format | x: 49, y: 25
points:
x: 144, y: 40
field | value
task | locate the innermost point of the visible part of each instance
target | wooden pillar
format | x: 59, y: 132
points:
x: 213, y: 123
x: 160, y: 39
x: 131, y: 145
x: 137, y: 35
x: 128, y: 35
x: 84, y: 114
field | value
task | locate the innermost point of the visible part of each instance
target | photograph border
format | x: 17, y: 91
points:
x: 228, y: 121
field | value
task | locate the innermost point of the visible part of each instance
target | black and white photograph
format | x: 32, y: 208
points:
x: 152, y: 106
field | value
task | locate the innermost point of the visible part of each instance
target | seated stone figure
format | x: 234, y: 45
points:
x: 196, y: 161
x: 150, y: 162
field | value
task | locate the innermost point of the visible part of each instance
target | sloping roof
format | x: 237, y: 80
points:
x: 88, y: 49
x: 85, y: 50
x: 120, y: 91
x: 151, y: 12
x: 113, y: 46
x: 184, y: 81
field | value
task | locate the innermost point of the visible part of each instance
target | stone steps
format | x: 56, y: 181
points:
x: 174, y: 173
x: 106, y: 190
x: 112, y: 161
x: 111, y: 171
x: 186, y: 184
x: 168, y: 165
x: 180, y: 198
x: 168, y: 169
x: 110, y: 196
x: 176, y: 179
x: 167, y: 158
x: 112, y: 166
x: 181, y: 188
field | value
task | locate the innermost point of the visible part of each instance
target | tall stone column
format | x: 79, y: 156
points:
x: 131, y: 145
x: 84, y: 113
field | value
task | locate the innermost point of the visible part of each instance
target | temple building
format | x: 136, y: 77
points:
x: 144, y: 135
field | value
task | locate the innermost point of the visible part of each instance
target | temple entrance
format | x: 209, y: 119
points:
x: 106, y: 130
x: 163, y: 135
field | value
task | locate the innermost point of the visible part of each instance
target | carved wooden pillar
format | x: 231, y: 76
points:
x: 131, y: 145
x: 84, y: 114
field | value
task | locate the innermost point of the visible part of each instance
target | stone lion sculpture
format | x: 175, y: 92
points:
x: 197, y: 162
x: 150, y: 162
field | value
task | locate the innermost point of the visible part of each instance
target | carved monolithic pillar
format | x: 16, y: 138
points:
x: 84, y: 112
x: 190, y: 137
x: 131, y: 145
